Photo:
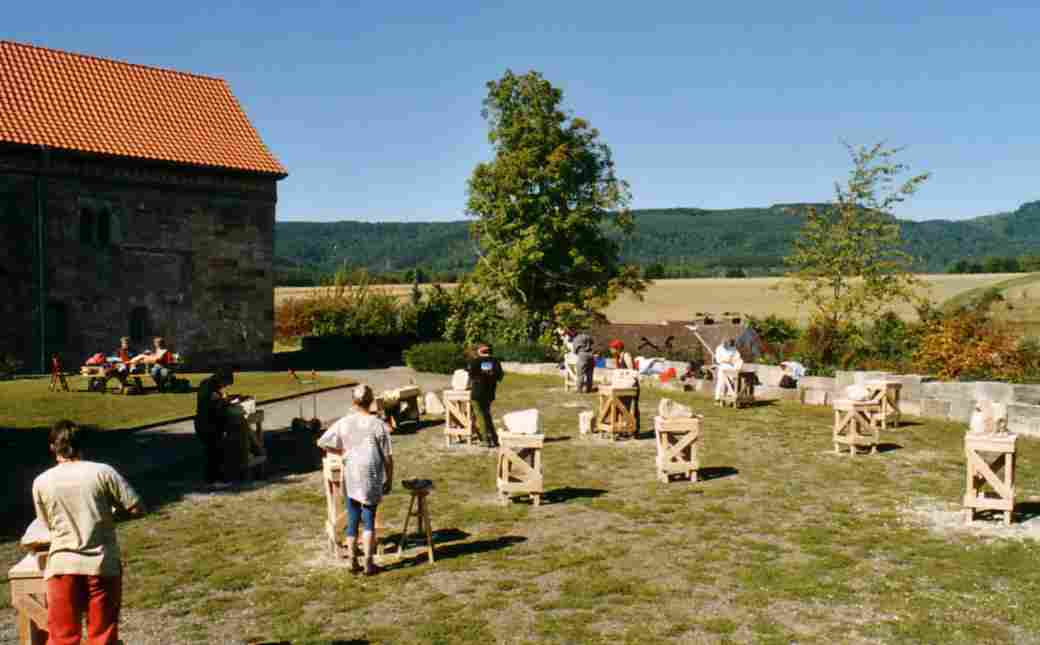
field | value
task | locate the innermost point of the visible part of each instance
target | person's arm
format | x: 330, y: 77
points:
x: 388, y: 465
x: 123, y: 495
x: 41, y: 509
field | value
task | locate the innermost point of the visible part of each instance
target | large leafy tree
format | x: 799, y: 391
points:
x: 545, y: 205
x: 848, y: 263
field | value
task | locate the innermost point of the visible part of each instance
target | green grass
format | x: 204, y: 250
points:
x: 28, y: 403
x: 1020, y: 308
x: 789, y: 542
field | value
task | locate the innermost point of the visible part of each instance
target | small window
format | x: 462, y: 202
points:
x: 55, y: 325
x: 139, y: 325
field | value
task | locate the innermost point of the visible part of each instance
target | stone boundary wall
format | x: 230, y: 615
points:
x: 921, y: 396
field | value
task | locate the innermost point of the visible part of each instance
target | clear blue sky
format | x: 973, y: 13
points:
x: 375, y: 107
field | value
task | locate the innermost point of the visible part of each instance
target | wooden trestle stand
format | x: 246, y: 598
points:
x: 458, y: 418
x: 617, y: 411
x: 887, y: 393
x: 29, y: 589
x: 854, y: 425
x: 990, y: 461
x: 678, y: 441
x: 336, y: 508
x: 520, y: 466
x: 738, y: 387
x: 570, y: 372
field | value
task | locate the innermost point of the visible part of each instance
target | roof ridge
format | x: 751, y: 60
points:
x: 116, y: 61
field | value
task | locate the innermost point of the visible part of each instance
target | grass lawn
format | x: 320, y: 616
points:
x: 783, y: 541
x: 28, y: 403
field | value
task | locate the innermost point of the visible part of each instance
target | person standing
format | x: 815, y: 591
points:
x: 363, y: 439
x: 75, y: 501
x: 586, y: 361
x: 211, y: 418
x: 726, y: 358
x: 485, y: 373
x: 624, y: 361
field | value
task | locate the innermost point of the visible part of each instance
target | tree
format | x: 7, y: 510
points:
x: 848, y: 263
x: 544, y: 206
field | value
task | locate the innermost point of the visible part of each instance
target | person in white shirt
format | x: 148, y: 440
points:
x: 726, y: 358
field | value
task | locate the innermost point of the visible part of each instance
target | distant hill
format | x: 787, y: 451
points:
x: 754, y: 239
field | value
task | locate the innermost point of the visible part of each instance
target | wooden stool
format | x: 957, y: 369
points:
x: 678, y: 441
x: 886, y: 393
x: 336, y: 507
x: 738, y: 388
x: 419, y: 508
x: 570, y: 372
x: 854, y: 426
x: 458, y: 418
x: 520, y: 466
x: 29, y: 598
x: 617, y: 411
x: 990, y: 460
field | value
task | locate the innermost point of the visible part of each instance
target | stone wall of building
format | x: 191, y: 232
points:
x: 142, y: 250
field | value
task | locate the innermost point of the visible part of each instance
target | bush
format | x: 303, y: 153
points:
x: 437, y: 358
x: 9, y: 366
x: 774, y: 330
x: 969, y: 345
x: 526, y: 353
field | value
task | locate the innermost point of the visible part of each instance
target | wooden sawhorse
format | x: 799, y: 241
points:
x: 617, y: 411
x: 990, y: 460
x: 886, y: 393
x: 854, y: 426
x: 678, y: 441
x: 29, y: 598
x: 458, y: 418
x: 519, y: 468
x: 738, y: 387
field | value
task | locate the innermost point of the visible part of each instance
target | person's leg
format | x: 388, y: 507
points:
x: 105, y: 597
x: 211, y: 454
x: 368, y: 521
x: 353, y: 516
x: 718, y: 384
x: 66, y: 598
x: 487, y: 424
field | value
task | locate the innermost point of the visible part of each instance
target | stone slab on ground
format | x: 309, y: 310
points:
x: 538, y: 369
x: 825, y: 383
x: 771, y: 392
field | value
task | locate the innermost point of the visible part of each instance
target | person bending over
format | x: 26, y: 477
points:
x: 363, y: 439
x: 211, y: 419
x: 75, y: 501
x: 726, y: 358
x: 485, y: 373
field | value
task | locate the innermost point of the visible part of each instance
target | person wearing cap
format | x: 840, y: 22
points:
x: 485, y: 373
x: 75, y: 501
x: 363, y: 439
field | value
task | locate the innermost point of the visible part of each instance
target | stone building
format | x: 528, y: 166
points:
x: 134, y: 201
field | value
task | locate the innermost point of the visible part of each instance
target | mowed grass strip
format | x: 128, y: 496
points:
x: 782, y: 541
x: 28, y: 403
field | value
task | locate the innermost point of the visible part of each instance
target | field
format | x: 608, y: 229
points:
x: 1021, y: 305
x: 681, y: 299
x: 782, y: 541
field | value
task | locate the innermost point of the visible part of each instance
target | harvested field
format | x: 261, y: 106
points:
x: 680, y: 299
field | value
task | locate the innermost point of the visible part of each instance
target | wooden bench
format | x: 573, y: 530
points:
x: 991, y: 474
x: 617, y: 411
x: 678, y: 443
x: 459, y: 423
x: 854, y: 425
x: 519, y: 470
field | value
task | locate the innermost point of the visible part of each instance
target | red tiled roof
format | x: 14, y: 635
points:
x: 76, y: 102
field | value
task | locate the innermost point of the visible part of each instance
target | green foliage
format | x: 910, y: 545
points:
x: 9, y: 366
x: 530, y: 352
x: 543, y: 204
x: 848, y: 263
x: 775, y: 330
x: 437, y: 358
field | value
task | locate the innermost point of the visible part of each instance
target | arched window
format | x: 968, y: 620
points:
x: 139, y: 325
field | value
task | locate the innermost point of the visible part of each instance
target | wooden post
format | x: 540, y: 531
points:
x: 519, y: 468
x: 678, y: 441
x: 458, y: 417
x: 854, y: 427
x: 617, y: 411
x: 990, y: 461
x: 886, y: 393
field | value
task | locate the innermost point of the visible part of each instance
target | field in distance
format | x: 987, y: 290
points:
x: 681, y: 299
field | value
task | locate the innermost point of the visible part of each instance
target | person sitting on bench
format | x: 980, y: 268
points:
x: 160, y: 361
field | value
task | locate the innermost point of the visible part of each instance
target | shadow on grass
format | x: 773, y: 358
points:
x: 454, y: 550
x: 888, y: 447
x: 567, y: 493
x: 555, y: 439
x: 716, y: 472
x: 1025, y: 511
x: 352, y: 641
x: 762, y: 403
x: 413, y: 427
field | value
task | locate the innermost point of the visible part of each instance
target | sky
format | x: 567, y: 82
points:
x: 374, y: 107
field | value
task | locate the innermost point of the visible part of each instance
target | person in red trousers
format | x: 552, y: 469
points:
x: 75, y: 501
